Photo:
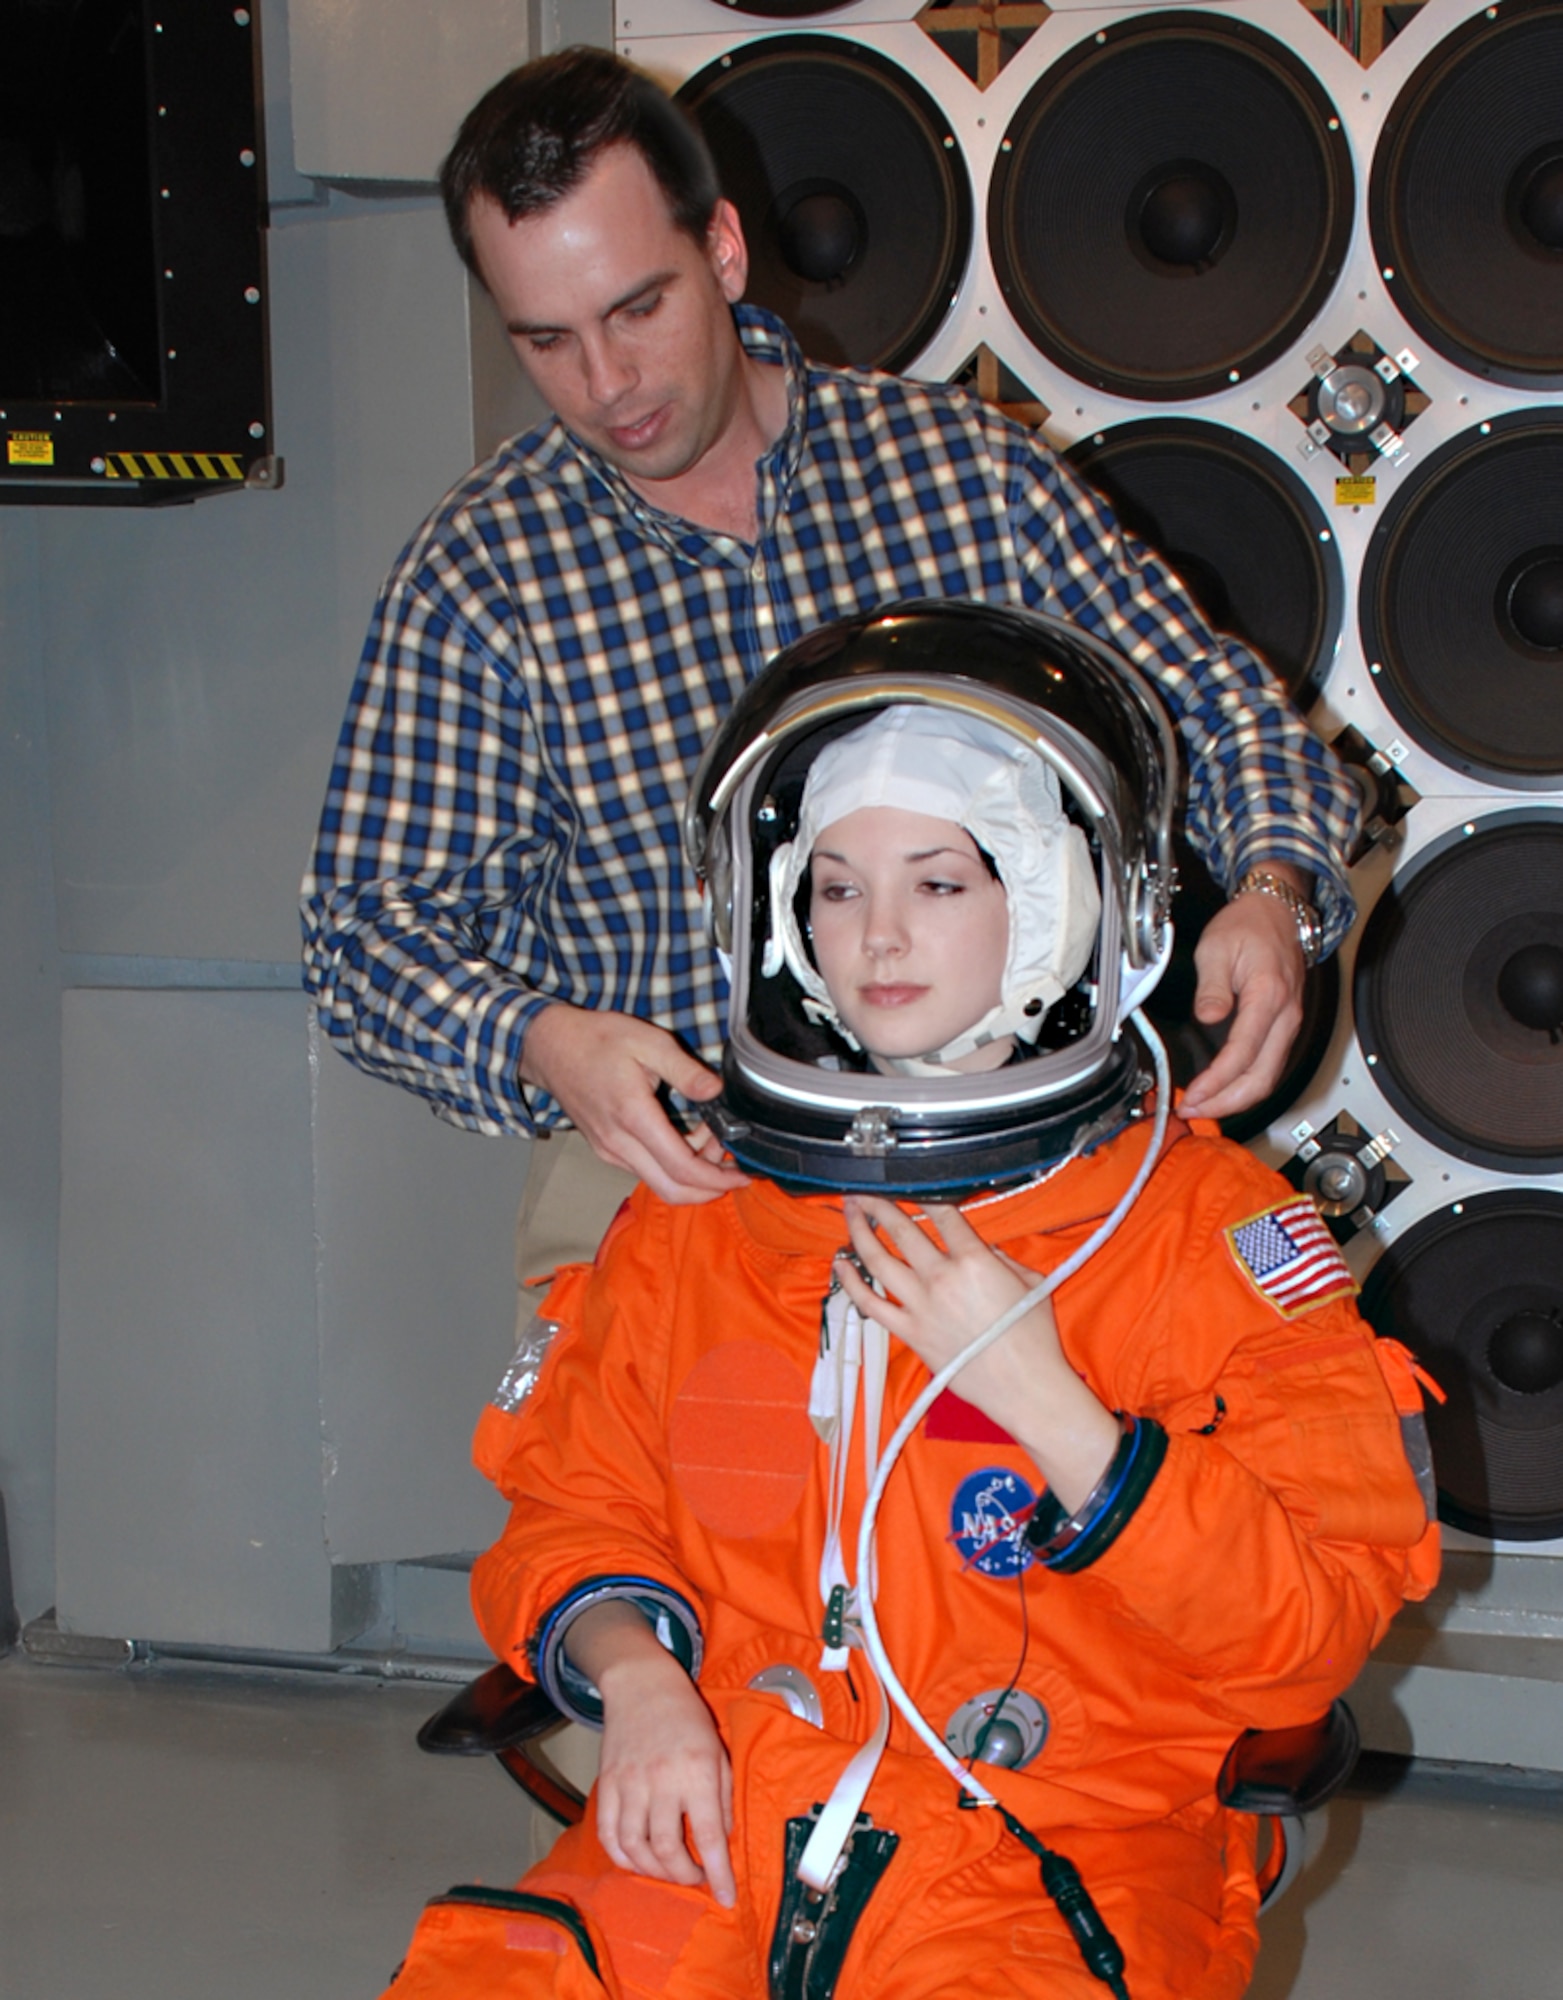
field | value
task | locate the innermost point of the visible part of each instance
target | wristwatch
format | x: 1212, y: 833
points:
x: 1310, y: 932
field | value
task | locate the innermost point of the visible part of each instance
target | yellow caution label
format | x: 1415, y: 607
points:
x: 29, y: 448
x: 1358, y: 492
x: 172, y: 465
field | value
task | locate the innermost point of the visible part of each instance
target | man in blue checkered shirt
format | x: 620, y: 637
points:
x: 498, y: 915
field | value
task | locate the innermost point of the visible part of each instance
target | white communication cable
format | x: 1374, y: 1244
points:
x: 873, y: 1644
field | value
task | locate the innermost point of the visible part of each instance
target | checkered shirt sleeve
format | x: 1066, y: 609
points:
x: 551, y: 654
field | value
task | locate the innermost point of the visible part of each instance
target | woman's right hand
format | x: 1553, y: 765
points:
x: 664, y: 1784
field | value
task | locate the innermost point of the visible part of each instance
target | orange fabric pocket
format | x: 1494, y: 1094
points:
x: 503, y: 1944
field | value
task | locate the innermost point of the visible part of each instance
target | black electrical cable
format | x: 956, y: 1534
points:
x: 1101, y: 1951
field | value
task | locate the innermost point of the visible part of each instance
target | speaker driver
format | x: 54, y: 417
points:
x: 1171, y: 205
x: 1476, y: 1293
x: 1465, y: 199
x: 1239, y: 527
x: 852, y: 190
x: 1459, y: 993
x: 1461, y: 601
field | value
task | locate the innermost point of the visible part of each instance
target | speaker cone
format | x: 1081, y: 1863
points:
x: 1462, y: 601
x: 1476, y: 1293
x: 1239, y: 527
x: 1191, y: 1045
x: 1171, y: 205
x: 1459, y: 993
x: 1466, y: 195
x: 852, y: 190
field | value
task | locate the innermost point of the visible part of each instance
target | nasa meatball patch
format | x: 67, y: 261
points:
x: 988, y: 1519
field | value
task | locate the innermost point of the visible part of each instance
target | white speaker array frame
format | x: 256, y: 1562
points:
x: 692, y: 34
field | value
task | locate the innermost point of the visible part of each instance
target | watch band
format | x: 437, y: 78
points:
x: 1310, y: 932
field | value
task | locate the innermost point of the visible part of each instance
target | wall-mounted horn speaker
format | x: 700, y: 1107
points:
x: 1466, y: 195
x: 1458, y: 992
x: 1476, y: 1292
x: 1240, y: 528
x: 1171, y: 204
x: 1461, y: 601
x: 852, y: 190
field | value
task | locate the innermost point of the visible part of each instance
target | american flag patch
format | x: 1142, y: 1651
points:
x: 1290, y: 1256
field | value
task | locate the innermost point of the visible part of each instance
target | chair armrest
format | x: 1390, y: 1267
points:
x: 1290, y: 1770
x: 495, y: 1712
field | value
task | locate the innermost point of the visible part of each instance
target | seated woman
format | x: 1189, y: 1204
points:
x: 1170, y: 1502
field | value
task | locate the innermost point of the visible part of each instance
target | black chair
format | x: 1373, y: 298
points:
x: 1277, y: 1774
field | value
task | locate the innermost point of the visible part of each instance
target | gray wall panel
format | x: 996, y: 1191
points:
x: 199, y: 657
x: 190, y: 1503
x: 417, y: 1315
x: 29, y: 1081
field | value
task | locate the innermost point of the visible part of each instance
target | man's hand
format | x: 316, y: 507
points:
x: 605, y: 1069
x: 664, y: 1783
x: 1247, y: 954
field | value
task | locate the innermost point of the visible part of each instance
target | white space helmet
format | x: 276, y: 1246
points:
x: 1056, y: 756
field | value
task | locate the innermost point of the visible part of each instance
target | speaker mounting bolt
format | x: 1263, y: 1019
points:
x: 246, y: 158
x: 257, y: 430
x: 242, y: 16
x: 98, y: 464
x: 252, y: 295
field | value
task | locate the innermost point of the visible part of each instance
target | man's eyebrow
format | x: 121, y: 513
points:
x: 659, y: 280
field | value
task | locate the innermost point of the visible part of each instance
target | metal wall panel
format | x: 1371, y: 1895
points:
x: 417, y: 1314
x: 198, y: 658
x: 190, y: 1497
x: 29, y: 1083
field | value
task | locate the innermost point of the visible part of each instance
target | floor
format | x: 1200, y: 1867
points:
x: 176, y: 1834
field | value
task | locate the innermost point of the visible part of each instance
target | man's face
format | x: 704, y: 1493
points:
x: 621, y: 320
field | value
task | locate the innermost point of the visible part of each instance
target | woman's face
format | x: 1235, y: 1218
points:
x: 910, y: 930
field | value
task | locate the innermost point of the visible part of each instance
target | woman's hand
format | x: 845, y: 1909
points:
x: 941, y: 1295
x: 664, y: 1784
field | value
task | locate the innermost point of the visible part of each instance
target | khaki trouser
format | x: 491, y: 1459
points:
x: 568, y: 1201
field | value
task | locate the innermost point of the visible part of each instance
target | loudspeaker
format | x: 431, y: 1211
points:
x: 132, y: 281
x: 855, y: 199
x: 1467, y: 195
x: 1171, y: 205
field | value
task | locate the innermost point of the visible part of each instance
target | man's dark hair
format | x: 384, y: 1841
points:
x: 536, y: 135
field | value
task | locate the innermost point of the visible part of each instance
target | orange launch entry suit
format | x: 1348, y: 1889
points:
x: 669, y: 1440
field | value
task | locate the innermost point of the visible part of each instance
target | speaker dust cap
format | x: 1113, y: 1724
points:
x: 1476, y: 1292
x: 1465, y: 199
x: 1239, y: 527
x: 1461, y: 601
x: 852, y: 190
x: 1171, y: 205
x: 1459, y: 992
